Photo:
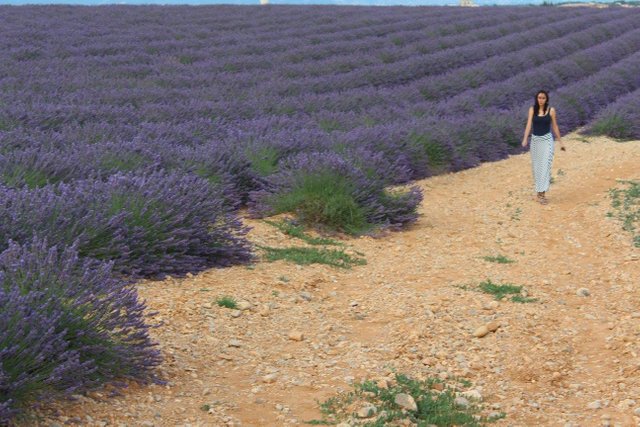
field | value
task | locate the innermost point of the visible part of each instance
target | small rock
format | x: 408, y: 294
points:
x: 235, y: 343
x: 627, y: 403
x: 472, y: 394
x: 296, y: 336
x: 493, y: 325
x: 367, y: 411
x: 596, y: 404
x: 383, y: 384
x: 438, y: 386
x: 270, y: 378
x: 264, y: 310
x: 583, y: 292
x: 461, y: 401
x: 406, y: 401
x: 481, y: 331
x: 236, y: 313
x: 637, y: 412
x: 244, y: 305
x: 353, y: 304
x: 306, y: 296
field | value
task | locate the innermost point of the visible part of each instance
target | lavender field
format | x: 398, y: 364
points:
x: 131, y: 138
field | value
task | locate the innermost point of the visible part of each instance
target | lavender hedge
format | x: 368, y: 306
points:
x: 345, y: 192
x: 621, y: 119
x: 148, y: 225
x: 66, y: 324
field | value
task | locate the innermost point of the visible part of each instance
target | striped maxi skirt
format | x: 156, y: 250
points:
x: 541, y: 159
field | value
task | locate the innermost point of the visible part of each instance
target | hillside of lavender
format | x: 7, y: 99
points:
x: 131, y: 138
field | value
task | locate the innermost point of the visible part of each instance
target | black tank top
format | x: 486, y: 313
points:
x: 542, y: 124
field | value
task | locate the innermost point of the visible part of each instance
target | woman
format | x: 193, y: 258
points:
x: 542, y: 120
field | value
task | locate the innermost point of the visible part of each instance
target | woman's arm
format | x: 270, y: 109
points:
x: 527, y: 130
x: 554, y: 126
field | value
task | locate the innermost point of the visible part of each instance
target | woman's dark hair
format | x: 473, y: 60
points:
x: 535, y: 102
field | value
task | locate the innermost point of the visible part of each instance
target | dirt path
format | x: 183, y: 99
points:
x: 563, y: 360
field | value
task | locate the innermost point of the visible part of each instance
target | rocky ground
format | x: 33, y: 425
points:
x: 302, y: 334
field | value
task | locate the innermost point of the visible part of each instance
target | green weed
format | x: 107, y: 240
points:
x: 307, y: 256
x: 297, y: 231
x: 626, y: 203
x: 500, y: 259
x: 434, y: 407
x: 501, y: 291
x: 227, y: 302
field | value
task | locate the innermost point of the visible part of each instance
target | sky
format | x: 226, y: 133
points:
x: 251, y: 2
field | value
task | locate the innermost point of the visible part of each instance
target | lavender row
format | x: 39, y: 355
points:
x: 402, y: 46
x: 620, y: 119
x: 132, y: 60
x: 550, y: 75
x: 66, y: 325
x: 504, y: 66
x: 147, y: 225
x: 406, y: 39
x: 414, y: 92
x: 418, y: 66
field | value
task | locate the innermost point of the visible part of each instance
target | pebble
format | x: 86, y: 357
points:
x: 270, y: 378
x: 583, y: 292
x: 264, y: 311
x: 235, y: 343
x: 236, y: 313
x: 296, y: 336
x: 461, y: 401
x: 481, y: 331
x: 596, y: 404
x: 485, y: 329
x: 406, y: 401
x: 306, y: 296
x: 367, y: 411
x: 244, y: 305
x: 472, y: 394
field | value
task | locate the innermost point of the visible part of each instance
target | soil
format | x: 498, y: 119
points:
x: 567, y: 359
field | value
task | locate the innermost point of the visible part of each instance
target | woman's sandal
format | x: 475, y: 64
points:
x: 542, y: 200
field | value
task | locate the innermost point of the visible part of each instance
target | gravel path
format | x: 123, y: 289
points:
x: 305, y: 333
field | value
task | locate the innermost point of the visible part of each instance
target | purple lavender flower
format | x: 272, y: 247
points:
x: 66, y: 324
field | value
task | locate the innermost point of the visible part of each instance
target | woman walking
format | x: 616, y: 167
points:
x: 541, y: 121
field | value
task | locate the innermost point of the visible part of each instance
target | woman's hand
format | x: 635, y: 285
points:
x: 525, y: 142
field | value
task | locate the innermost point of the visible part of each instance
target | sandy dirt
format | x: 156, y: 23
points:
x: 565, y: 360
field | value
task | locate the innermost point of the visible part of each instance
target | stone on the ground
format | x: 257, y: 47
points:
x: 406, y: 401
x: 596, y: 404
x: 296, y: 336
x: 583, y: 292
x: 461, y: 401
x: 481, y: 331
x: 244, y: 305
x: 367, y: 411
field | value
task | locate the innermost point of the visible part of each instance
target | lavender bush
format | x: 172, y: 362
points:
x: 148, y: 225
x: 66, y: 324
x: 620, y: 119
x: 338, y: 192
